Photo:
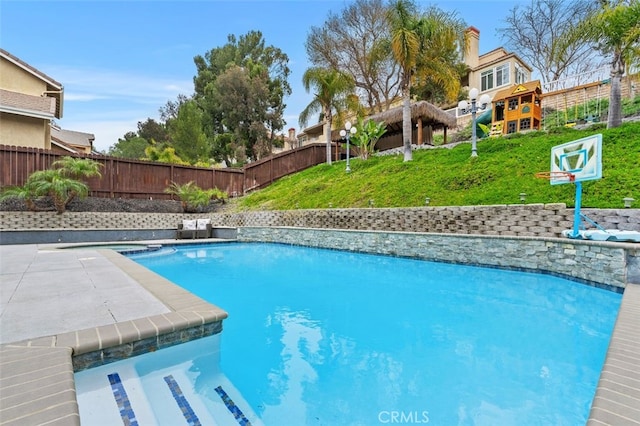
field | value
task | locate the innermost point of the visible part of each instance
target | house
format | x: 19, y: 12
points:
x: 71, y: 141
x: 494, y: 70
x: 29, y: 101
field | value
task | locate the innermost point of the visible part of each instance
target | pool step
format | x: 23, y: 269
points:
x: 163, y: 398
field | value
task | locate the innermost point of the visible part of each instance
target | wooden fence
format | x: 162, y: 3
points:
x: 125, y: 178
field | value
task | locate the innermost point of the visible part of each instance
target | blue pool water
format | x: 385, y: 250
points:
x: 323, y: 337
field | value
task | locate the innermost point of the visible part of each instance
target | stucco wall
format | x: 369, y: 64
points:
x: 16, y: 79
x: 19, y: 130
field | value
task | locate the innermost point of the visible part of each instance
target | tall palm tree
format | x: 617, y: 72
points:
x: 615, y: 31
x: 421, y: 44
x: 331, y: 89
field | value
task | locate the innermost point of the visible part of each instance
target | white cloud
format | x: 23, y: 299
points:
x: 107, y: 132
x: 93, y: 83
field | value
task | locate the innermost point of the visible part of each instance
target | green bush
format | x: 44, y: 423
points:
x: 60, y: 185
x: 194, y: 198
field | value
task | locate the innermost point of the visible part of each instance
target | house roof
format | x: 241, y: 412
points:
x: 29, y: 105
x: 430, y: 114
x: 55, y: 88
x: 72, y: 138
x: 518, y: 89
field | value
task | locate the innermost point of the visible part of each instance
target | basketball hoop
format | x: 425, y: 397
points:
x: 563, y: 176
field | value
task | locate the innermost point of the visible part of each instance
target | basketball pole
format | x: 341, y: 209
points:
x: 576, y: 210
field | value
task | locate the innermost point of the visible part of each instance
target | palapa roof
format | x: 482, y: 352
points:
x: 431, y: 115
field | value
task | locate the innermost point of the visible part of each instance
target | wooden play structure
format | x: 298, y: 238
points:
x: 517, y: 108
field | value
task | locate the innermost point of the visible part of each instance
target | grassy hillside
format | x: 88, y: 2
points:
x: 504, y: 168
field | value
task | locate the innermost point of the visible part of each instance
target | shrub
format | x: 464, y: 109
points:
x: 58, y: 184
x: 194, y: 198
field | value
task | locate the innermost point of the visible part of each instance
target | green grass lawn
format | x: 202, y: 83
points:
x: 504, y: 168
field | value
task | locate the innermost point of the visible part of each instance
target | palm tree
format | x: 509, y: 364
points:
x: 78, y: 167
x: 55, y: 184
x: 615, y: 31
x: 421, y: 46
x: 331, y: 89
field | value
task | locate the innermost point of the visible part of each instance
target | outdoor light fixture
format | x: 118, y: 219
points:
x: 475, y: 106
x: 427, y: 201
x: 347, y: 132
x: 627, y: 202
x: 523, y: 197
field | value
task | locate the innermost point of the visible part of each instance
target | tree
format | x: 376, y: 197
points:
x: 615, y: 31
x: 355, y: 42
x: 152, y: 130
x: 60, y: 184
x: 421, y: 46
x: 132, y: 146
x: 331, y: 89
x: 262, y: 73
x: 193, y: 198
x: 78, y: 168
x: 187, y: 134
x: 534, y: 32
x: 242, y: 101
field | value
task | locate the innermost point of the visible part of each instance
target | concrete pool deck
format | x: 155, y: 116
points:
x: 95, y: 306
x: 101, y: 300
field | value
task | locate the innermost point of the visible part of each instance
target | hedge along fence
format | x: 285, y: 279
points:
x: 126, y: 178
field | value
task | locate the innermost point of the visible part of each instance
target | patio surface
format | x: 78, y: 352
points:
x: 64, y: 308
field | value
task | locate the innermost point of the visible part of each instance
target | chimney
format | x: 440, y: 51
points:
x: 292, y: 133
x: 471, y: 56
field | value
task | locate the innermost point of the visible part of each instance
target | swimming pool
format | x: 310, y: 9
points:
x: 327, y: 337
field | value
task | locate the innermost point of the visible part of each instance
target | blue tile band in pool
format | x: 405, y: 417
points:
x: 124, y: 406
x: 186, y: 409
x: 231, y: 406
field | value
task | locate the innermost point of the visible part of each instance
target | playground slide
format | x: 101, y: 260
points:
x: 484, y: 118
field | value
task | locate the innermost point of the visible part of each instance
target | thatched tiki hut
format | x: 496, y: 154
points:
x: 425, y: 118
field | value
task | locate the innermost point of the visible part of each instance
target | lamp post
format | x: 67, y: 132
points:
x: 347, y: 132
x: 475, y: 106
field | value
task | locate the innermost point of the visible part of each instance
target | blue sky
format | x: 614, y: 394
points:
x: 120, y: 61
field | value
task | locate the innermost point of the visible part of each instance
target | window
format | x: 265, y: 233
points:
x: 495, y: 77
x: 525, y: 123
x: 512, y: 126
x: 486, y: 80
x: 502, y: 75
x: 521, y: 75
x: 513, y: 104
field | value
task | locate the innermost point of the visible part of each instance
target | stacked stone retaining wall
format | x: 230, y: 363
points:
x: 532, y: 220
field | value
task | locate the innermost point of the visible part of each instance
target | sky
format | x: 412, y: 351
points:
x: 121, y: 61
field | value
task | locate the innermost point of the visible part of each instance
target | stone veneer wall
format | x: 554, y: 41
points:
x: 611, y: 264
x: 546, y: 220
